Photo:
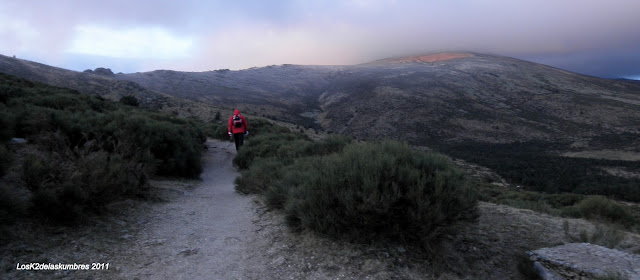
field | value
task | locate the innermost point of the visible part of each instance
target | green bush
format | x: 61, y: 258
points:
x: 371, y: 191
x: 6, y: 133
x: 11, y: 206
x: 261, y: 174
x: 532, y: 165
x: 602, y: 208
x: 602, y: 235
x: 360, y: 192
x: 129, y: 100
x: 6, y: 124
x: 284, y: 147
x: 594, y: 208
x: 5, y: 159
x: 221, y: 132
x: 38, y: 172
x: 91, y: 151
x: 68, y: 185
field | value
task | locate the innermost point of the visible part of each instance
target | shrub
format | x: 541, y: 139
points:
x: 37, y: 172
x: 90, y: 151
x: 261, y: 174
x: 602, y: 208
x: 285, y: 147
x: 532, y: 165
x: 602, y: 235
x: 329, y: 145
x: 65, y: 188
x: 221, y: 132
x: 11, y: 207
x: 376, y: 190
x: 5, y: 159
x: 6, y: 132
x: 129, y: 100
x: 6, y: 124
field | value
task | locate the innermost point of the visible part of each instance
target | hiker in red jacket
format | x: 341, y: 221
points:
x: 237, y: 128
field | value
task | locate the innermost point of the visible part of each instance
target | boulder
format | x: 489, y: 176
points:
x: 585, y: 261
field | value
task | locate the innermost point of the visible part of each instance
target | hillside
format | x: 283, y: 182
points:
x: 537, y: 126
x: 534, y: 125
x: 279, y: 92
x: 104, y: 85
x: 426, y: 99
x: 478, y: 98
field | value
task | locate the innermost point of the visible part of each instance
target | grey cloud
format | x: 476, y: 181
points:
x: 562, y: 33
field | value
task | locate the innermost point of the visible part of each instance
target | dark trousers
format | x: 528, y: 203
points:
x: 239, y: 139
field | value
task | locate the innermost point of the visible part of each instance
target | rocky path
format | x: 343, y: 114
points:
x: 202, y: 234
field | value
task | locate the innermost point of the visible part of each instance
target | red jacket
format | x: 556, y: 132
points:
x: 242, y: 129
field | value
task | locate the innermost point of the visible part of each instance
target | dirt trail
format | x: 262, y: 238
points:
x: 201, y: 234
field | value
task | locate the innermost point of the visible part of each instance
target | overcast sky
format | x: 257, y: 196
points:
x: 600, y: 38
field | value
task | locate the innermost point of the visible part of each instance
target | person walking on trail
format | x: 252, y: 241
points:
x: 237, y: 128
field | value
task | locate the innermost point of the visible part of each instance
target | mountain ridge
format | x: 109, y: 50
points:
x: 97, y: 83
x: 450, y: 97
x: 466, y: 97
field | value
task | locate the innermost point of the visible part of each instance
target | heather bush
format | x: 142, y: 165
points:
x: 90, y: 151
x: 130, y: 100
x: 67, y: 184
x: 262, y: 173
x: 371, y: 191
x: 602, y: 235
x: 5, y: 159
x: 284, y: 147
x: 360, y: 192
x: 11, y: 206
x: 6, y: 132
x: 6, y: 124
x: 594, y: 208
x: 602, y: 208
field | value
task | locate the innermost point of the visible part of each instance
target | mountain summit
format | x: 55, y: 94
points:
x: 424, y: 58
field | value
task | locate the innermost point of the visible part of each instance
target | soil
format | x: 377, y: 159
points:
x: 203, y: 229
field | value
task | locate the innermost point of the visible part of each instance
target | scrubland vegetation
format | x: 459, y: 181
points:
x: 532, y: 165
x: 596, y: 208
x: 386, y: 191
x: 84, y: 151
x: 356, y: 191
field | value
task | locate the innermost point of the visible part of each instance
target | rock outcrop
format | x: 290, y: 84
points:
x: 100, y: 71
x: 585, y: 261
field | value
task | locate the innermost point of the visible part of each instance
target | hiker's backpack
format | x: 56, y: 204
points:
x: 237, y: 121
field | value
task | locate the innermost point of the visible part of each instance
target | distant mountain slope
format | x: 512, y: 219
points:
x: 637, y: 82
x: 430, y: 99
x: 446, y: 97
x: 479, y: 98
x: 100, y: 84
x: 282, y: 92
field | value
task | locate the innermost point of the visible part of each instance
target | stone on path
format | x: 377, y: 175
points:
x: 585, y: 261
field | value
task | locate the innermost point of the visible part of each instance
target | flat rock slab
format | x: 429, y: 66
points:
x: 585, y: 261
